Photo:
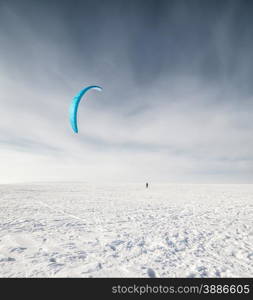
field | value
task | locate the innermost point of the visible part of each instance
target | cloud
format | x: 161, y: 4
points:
x: 176, y: 103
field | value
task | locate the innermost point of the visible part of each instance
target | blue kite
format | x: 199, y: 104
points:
x: 75, y: 103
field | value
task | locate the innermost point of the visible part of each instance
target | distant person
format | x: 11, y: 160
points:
x: 146, y: 184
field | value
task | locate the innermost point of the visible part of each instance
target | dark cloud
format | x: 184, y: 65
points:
x: 177, y: 78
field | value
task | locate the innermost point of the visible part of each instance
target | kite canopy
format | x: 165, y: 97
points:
x: 75, y: 103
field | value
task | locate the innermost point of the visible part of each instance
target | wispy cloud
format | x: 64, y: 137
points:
x: 177, y: 99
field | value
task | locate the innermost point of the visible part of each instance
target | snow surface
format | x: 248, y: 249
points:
x: 126, y: 230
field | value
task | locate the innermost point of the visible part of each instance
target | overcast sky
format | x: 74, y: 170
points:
x: 177, y: 99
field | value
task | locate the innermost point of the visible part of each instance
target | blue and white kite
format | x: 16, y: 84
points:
x: 75, y: 103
